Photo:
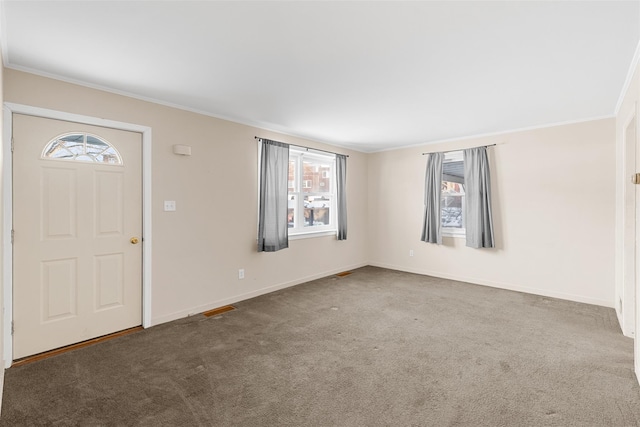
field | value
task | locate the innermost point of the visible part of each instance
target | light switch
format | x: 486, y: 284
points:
x: 169, y: 205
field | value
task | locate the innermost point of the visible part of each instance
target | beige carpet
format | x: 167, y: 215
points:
x: 375, y: 348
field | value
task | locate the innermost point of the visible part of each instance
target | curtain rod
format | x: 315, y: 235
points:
x: 309, y: 148
x: 460, y: 149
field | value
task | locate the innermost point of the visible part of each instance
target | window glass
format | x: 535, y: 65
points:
x: 292, y: 175
x: 311, y: 198
x: 291, y: 213
x: 316, y: 175
x: 453, y: 194
x: 81, y: 147
x: 56, y: 150
x: 452, y: 204
x: 317, y: 211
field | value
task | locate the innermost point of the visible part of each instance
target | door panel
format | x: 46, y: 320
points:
x: 109, y: 280
x: 77, y: 276
x: 59, y: 289
x: 109, y: 199
x: 58, y: 203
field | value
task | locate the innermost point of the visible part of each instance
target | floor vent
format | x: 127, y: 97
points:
x: 344, y: 273
x: 219, y: 310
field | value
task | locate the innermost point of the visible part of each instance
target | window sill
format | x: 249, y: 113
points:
x: 456, y: 234
x: 311, y: 234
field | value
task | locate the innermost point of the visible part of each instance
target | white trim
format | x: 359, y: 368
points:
x: 263, y: 126
x: 147, y: 238
x: 310, y: 234
x: 499, y: 285
x: 7, y: 175
x: 226, y: 301
x: 7, y: 247
x: 497, y: 133
x: 29, y: 110
x: 628, y: 259
x: 457, y: 233
x: 627, y: 81
x: 270, y: 127
x: 453, y: 156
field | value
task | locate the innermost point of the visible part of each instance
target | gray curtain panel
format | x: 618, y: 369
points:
x: 432, y: 194
x: 479, y: 224
x: 341, y: 190
x: 273, y: 233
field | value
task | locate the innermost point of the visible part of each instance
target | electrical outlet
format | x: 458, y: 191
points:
x: 241, y: 273
x: 169, y: 205
x: 410, y: 252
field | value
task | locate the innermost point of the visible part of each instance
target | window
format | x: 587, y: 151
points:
x: 453, y: 195
x: 312, y: 193
x: 81, y: 147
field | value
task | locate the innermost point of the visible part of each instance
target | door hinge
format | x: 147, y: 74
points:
x: 13, y: 327
x: 12, y: 235
x: 635, y: 178
x: 12, y: 144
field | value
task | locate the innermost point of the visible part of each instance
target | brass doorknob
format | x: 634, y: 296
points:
x: 134, y: 240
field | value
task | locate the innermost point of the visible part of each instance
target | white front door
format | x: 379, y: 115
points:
x: 77, y: 220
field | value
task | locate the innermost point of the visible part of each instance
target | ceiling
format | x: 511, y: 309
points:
x: 363, y: 75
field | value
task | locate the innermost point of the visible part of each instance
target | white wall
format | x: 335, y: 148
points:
x: 553, y: 208
x: 198, y: 249
x: 553, y: 205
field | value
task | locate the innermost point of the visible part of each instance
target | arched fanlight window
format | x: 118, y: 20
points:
x: 81, y: 147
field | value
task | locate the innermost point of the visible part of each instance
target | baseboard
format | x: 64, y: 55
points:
x: 237, y: 298
x: 499, y: 285
x: 511, y: 287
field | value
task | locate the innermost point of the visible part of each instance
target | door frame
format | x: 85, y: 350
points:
x: 7, y: 207
x: 626, y: 307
